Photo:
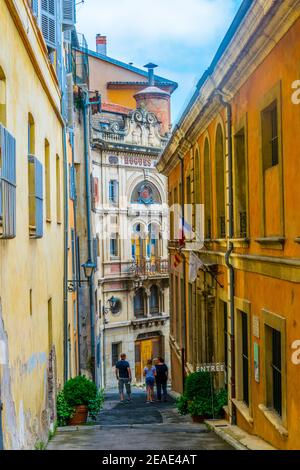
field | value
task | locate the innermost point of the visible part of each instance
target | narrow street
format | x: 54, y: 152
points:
x: 138, y: 425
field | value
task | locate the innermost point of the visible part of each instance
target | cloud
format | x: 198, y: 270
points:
x: 179, y: 35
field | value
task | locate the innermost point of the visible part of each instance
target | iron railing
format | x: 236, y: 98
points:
x: 145, y: 268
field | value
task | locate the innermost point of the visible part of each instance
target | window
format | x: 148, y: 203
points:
x: 72, y: 182
x: 115, y: 352
x: 48, y: 22
x: 114, y: 245
x: 154, y: 300
x: 275, y: 369
x: 270, y: 137
x: 207, y: 190
x: 47, y: 181
x: 30, y: 302
x: 245, y: 357
x: 58, y: 191
x: 220, y: 183
x: 31, y: 135
x: 113, y: 191
x: 240, y: 185
x: 7, y: 184
x: 73, y: 250
x: 139, y: 303
x: 35, y: 186
x: 2, y: 98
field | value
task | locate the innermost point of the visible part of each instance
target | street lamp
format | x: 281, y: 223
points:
x: 113, y: 303
x: 89, y: 268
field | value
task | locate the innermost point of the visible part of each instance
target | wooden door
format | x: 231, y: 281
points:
x: 146, y: 352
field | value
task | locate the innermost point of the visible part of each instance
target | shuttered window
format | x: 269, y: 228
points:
x: 69, y: 14
x: 48, y: 22
x: 7, y: 184
x: 72, y: 182
x: 113, y: 191
x: 35, y: 7
x: 95, y: 250
x: 35, y: 184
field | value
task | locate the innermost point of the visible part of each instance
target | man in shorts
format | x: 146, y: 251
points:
x: 123, y: 375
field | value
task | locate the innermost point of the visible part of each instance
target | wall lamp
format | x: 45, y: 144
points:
x: 89, y: 269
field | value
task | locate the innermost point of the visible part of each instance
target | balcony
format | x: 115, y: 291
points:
x: 147, y: 268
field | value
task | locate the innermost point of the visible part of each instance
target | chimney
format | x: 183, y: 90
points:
x: 151, y: 68
x: 101, y: 44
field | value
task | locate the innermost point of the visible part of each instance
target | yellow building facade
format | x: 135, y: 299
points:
x: 31, y: 232
x: 234, y: 150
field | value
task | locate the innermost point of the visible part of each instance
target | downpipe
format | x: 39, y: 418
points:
x: 230, y: 249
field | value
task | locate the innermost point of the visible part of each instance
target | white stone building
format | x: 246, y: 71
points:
x: 130, y: 223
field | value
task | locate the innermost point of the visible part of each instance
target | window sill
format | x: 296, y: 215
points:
x: 275, y: 420
x: 240, y: 242
x: 244, y: 410
x: 48, y: 221
x: 273, y: 243
x: 220, y: 241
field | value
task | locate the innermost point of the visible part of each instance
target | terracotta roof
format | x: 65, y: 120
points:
x: 115, y: 108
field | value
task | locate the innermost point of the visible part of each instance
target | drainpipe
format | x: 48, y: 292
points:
x: 66, y: 241
x: 230, y: 248
x: 184, y: 342
x: 86, y: 103
x: 88, y: 217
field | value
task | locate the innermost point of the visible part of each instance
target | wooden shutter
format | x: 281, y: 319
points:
x: 7, y: 184
x: 48, y: 22
x: 69, y: 14
x: 39, y: 198
x: 72, y: 182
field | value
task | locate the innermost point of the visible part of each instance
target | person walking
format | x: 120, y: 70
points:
x: 123, y: 375
x: 161, y: 378
x: 149, y: 374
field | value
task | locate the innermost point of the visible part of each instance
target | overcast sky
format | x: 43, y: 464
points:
x: 181, y: 36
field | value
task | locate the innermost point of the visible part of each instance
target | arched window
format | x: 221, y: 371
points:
x: 153, y: 242
x: 145, y: 193
x: 138, y: 242
x: 207, y: 190
x: 2, y: 98
x: 154, y: 300
x: 197, y: 178
x: 220, y: 183
x: 139, y: 303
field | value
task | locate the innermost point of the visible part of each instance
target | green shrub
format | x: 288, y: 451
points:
x: 198, y: 384
x: 220, y: 400
x: 64, y: 411
x: 200, y: 407
x: 182, y: 405
x: 79, y: 391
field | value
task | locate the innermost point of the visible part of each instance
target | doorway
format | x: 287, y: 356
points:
x: 147, y: 346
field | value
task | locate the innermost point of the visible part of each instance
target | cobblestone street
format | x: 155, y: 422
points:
x: 138, y: 426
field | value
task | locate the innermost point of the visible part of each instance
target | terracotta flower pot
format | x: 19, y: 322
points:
x: 80, y: 415
x: 198, y: 419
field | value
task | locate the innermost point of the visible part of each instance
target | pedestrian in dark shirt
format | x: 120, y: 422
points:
x: 161, y: 378
x: 123, y: 375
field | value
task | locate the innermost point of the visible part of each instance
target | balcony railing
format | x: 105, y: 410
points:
x: 146, y: 268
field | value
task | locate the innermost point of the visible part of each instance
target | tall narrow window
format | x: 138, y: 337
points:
x: 115, y: 352
x: 30, y: 302
x: 220, y: 183
x: 270, y: 139
x: 139, y: 303
x: 35, y: 194
x: 240, y: 185
x: 31, y: 135
x: 58, y: 191
x: 274, y: 369
x: 113, y: 191
x: 207, y: 190
x: 47, y: 181
x: 114, y: 245
x: 2, y: 98
x: 154, y: 300
x: 245, y: 357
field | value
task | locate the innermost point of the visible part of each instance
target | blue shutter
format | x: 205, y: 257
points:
x: 48, y: 22
x: 8, y: 184
x: 39, y: 198
x: 73, y: 253
x: 133, y: 250
x: 69, y: 14
x: 72, y: 182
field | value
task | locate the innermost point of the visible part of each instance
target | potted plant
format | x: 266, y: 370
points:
x: 78, y: 399
x: 200, y: 409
